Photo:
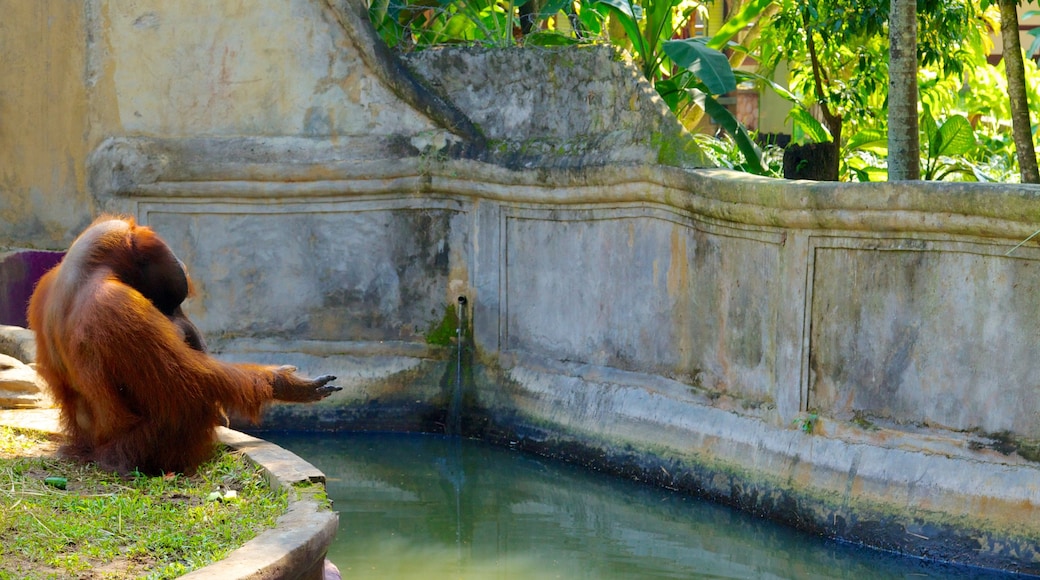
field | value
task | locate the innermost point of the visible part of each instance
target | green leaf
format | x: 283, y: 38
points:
x: 799, y: 114
x: 459, y: 26
x: 672, y: 90
x: 738, y: 22
x: 626, y: 8
x: 659, y: 23
x: 813, y: 128
x: 722, y: 116
x: 780, y: 90
x: 591, y: 20
x: 868, y: 140
x: 628, y: 16
x: 707, y: 64
x: 551, y: 8
x: 930, y: 130
x: 956, y: 136
x: 548, y: 38
x: 378, y: 10
x: 953, y: 168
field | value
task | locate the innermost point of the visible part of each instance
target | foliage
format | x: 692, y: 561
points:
x: 724, y: 152
x: 648, y: 26
x: 941, y: 143
x: 1034, y: 32
x: 980, y: 94
x: 807, y: 423
x: 688, y: 71
x: 864, y: 154
x: 409, y: 24
x: 837, y: 53
x: 115, y: 527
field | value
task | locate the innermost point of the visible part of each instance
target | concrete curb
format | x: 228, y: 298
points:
x: 294, y: 549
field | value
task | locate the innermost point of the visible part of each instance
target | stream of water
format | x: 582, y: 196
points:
x: 432, y: 507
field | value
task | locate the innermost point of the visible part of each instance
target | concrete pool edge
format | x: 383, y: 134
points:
x: 925, y: 493
x: 294, y: 548
x: 825, y: 512
x: 928, y: 495
x: 826, y: 483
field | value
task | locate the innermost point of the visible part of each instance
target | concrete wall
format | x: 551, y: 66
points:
x: 75, y: 74
x: 44, y: 122
x: 856, y: 360
x: 238, y: 67
x: 685, y: 327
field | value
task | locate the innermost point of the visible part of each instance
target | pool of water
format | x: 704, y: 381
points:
x: 431, y: 507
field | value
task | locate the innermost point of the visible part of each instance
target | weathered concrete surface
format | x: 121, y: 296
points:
x: 294, y: 548
x: 571, y: 108
x: 20, y: 386
x: 675, y: 325
x: 44, y: 104
x: 683, y: 326
x: 297, y: 261
x: 309, y: 80
x: 943, y: 337
x: 229, y: 68
x: 387, y: 386
x: 18, y: 342
x: 917, y: 493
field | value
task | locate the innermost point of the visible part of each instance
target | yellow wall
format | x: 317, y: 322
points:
x: 74, y: 73
x: 772, y: 109
x: 239, y: 67
x: 43, y: 105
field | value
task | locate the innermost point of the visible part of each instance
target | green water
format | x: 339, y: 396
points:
x: 430, y: 507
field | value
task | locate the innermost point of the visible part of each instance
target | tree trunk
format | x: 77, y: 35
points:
x: 904, y: 148
x: 831, y: 119
x: 813, y: 161
x: 1016, y: 83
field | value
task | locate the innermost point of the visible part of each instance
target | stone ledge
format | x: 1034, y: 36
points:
x: 131, y: 170
x: 294, y: 548
x: 943, y: 496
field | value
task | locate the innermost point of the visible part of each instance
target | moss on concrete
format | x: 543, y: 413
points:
x: 445, y: 331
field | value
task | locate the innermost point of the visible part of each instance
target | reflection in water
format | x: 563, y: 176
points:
x: 421, y: 506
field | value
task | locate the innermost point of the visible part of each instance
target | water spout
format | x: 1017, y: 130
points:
x: 454, y: 422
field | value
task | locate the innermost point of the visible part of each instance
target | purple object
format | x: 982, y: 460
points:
x: 19, y: 272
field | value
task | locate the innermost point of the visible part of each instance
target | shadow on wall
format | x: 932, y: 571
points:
x: 19, y: 272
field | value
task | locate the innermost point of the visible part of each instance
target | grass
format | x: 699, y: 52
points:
x: 102, y: 525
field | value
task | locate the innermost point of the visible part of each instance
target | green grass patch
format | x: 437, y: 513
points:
x: 61, y: 519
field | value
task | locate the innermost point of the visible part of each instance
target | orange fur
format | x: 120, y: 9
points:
x: 132, y: 392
